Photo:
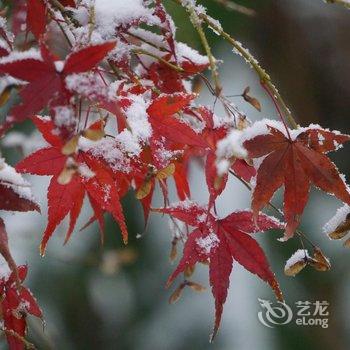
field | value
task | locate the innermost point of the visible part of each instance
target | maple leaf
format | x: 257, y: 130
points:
x: 15, y: 192
x: 212, y: 135
x: 36, y: 17
x: 163, y: 121
x: 16, y: 302
x: 221, y: 242
x: 46, y: 77
x: 69, y: 183
x: 295, y: 163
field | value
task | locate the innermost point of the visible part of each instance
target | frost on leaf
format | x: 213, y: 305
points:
x: 294, y: 162
x: 339, y: 225
x: 221, y: 242
x: 15, y: 192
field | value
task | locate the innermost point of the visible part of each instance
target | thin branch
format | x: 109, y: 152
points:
x: 67, y: 15
x: 61, y: 28
x: 232, y: 6
x: 264, y: 77
x: 170, y: 65
x: 196, y: 22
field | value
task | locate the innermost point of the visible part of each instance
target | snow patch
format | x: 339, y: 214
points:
x: 299, y: 255
x: 337, y: 219
x: 208, y: 243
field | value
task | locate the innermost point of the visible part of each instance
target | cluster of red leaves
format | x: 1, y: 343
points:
x: 16, y: 302
x: 160, y: 130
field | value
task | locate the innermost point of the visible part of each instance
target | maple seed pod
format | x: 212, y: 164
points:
x: 342, y: 229
x: 189, y: 270
x: 173, y: 251
x: 94, y: 134
x: 297, y: 262
x: 347, y: 243
x: 217, y: 182
x: 196, y: 286
x: 144, y: 190
x: 5, y: 95
x: 242, y: 122
x: 295, y: 268
x: 68, y: 172
x: 251, y: 100
x: 177, y: 294
x: 166, y: 172
x: 71, y: 146
x: 319, y: 261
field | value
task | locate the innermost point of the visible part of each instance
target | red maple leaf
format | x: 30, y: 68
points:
x: 296, y: 164
x: 36, y: 17
x: 16, y: 302
x: 70, y: 182
x: 46, y: 78
x: 15, y: 193
x: 162, y: 112
x: 222, y: 241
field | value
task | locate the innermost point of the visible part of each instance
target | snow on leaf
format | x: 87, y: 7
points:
x: 15, y: 192
x: 296, y: 164
x: 222, y: 241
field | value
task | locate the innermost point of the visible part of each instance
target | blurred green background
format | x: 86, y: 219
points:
x: 110, y: 298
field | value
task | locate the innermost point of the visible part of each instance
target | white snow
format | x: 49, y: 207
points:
x: 228, y: 147
x: 110, y: 14
x: 86, y: 84
x: 64, y: 116
x: 108, y: 149
x: 222, y: 166
x: 186, y: 53
x: 186, y: 204
x: 21, y: 55
x: 13, y: 180
x: 59, y: 65
x: 177, y: 228
x: 208, y: 243
x: 137, y: 118
x: 337, y: 219
x: 261, y: 128
x: 299, y: 255
x: 129, y: 142
x: 85, y: 171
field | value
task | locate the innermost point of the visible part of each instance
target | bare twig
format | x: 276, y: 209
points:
x: 230, y: 5
x: 265, y: 79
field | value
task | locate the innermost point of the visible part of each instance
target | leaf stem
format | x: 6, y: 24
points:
x: 280, y: 114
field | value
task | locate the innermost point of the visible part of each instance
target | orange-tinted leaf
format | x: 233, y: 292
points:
x: 296, y: 164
